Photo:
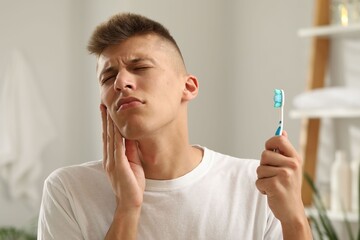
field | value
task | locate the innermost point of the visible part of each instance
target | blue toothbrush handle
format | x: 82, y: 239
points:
x: 279, y: 130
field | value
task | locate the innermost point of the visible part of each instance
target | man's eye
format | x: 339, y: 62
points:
x: 141, y: 68
x: 108, y: 78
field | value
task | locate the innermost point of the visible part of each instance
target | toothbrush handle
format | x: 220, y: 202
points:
x: 279, y: 129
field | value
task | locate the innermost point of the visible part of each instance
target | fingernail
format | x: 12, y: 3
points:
x: 103, y: 107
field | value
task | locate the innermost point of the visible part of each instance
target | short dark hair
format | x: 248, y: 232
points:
x: 122, y: 26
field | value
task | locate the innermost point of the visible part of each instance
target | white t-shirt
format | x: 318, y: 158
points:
x: 216, y: 200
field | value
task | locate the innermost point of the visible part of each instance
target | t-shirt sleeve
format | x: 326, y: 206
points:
x: 273, y: 228
x: 56, y: 217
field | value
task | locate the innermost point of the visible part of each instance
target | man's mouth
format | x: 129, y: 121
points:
x: 128, y: 102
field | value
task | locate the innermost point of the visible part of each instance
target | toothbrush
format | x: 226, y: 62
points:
x: 279, y: 101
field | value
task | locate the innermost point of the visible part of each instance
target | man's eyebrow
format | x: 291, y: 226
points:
x: 130, y: 61
x: 140, y: 59
x: 107, y: 70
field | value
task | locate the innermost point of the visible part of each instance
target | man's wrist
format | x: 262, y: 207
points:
x: 297, y: 228
x: 131, y: 214
x: 125, y: 223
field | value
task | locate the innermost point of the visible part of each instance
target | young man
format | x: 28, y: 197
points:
x: 151, y: 183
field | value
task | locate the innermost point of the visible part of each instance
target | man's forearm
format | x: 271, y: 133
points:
x: 297, y: 230
x: 124, y: 225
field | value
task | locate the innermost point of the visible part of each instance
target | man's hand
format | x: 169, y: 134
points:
x: 123, y: 166
x: 280, y: 178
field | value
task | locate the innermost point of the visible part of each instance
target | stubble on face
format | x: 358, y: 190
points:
x: 172, y: 64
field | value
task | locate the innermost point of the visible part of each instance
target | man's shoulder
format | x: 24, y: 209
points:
x: 229, y: 159
x: 76, y: 172
x: 82, y: 167
x: 231, y: 165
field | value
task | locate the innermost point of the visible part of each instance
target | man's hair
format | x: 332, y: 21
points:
x: 122, y: 26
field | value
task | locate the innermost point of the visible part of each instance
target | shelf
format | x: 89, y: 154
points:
x: 330, y: 30
x: 326, y: 113
x: 335, y: 216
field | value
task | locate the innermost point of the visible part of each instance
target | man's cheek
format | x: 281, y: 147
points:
x: 106, y: 97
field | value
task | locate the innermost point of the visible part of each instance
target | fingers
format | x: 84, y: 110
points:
x: 266, y: 172
x: 114, y: 148
x: 132, y: 151
x: 119, y: 152
x: 109, y: 139
x: 269, y: 187
x: 282, y: 144
x: 271, y: 158
x: 277, y: 166
x: 110, y: 144
x: 274, y: 180
x: 104, y: 132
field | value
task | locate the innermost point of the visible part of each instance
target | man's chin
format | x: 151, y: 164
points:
x: 132, y: 134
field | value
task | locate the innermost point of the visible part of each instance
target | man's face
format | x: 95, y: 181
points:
x: 142, y: 82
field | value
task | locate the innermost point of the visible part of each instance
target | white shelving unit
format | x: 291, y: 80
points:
x: 335, y: 216
x: 326, y: 113
x: 328, y: 31
x: 331, y: 31
x: 321, y: 35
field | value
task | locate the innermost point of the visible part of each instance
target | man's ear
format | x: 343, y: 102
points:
x: 191, y: 88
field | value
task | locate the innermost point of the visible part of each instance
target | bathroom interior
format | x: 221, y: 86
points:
x: 239, y: 50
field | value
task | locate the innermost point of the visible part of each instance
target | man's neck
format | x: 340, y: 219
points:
x: 163, y: 159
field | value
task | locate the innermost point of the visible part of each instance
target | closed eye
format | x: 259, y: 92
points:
x: 108, y: 78
x: 142, y: 68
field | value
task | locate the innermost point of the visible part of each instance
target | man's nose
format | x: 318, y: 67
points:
x: 124, y: 81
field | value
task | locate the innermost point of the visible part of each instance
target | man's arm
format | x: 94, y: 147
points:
x: 56, y: 217
x: 123, y: 166
x: 280, y: 178
x: 124, y: 225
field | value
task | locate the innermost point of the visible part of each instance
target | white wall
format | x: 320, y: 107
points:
x: 239, y: 51
x: 42, y: 31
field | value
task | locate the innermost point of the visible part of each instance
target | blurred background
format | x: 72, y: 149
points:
x: 239, y: 50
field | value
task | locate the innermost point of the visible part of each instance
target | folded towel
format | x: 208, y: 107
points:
x: 26, y: 128
x: 330, y: 97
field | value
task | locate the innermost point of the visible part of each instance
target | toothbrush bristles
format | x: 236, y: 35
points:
x: 278, y: 98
